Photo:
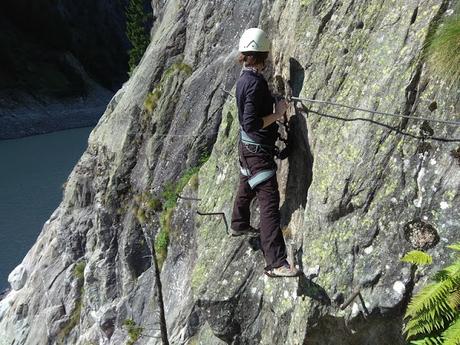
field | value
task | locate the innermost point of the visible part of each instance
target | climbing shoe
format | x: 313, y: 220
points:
x: 249, y: 231
x: 283, y: 271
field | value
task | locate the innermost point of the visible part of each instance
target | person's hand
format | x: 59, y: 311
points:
x: 281, y: 107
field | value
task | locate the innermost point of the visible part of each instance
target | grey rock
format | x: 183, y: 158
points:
x: 18, y: 277
x: 107, y: 320
x: 312, y: 272
x: 348, y: 190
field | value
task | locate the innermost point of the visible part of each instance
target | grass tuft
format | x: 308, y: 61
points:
x: 145, y: 205
x: 194, y: 182
x: 79, y: 270
x: 162, y: 238
x: 134, y: 331
x: 73, y: 321
x: 170, y: 195
x: 152, y: 99
x: 443, y: 50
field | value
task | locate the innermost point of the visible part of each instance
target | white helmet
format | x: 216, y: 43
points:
x: 254, y: 40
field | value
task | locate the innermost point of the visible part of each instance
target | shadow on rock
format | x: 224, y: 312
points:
x: 300, y: 156
x: 376, y: 329
x: 254, y: 243
x: 307, y: 288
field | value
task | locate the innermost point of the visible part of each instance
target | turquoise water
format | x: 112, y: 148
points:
x: 32, y: 171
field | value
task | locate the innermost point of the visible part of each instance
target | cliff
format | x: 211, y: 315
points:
x: 356, y: 196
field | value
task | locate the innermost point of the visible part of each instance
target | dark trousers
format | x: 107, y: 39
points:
x: 267, y: 194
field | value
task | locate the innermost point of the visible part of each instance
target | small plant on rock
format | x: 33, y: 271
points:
x: 170, y: 195
x: 152, y: 99
x: 134, y: 331
x: 145, y: 206
x: 79, y: 270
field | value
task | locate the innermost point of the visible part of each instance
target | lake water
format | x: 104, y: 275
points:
x: 32, y: 171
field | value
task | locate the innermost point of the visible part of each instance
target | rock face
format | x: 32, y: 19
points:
x: 61, y: 63
x: 17, y: 278
x: 356, y: 195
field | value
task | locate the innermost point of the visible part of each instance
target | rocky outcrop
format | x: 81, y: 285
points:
x: 356, y: 195
x: 18, y: 277
x: 61, y: 63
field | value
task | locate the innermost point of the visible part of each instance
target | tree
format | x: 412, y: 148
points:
x: 137, y: 19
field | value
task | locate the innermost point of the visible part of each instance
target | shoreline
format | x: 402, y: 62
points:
x: 32, y: 131
x: 35, y: 118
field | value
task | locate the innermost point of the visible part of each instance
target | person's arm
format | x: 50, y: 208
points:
x: 280, y: 109
x: 251, y: 122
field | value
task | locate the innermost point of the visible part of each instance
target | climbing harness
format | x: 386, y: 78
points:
x: 254, y: 147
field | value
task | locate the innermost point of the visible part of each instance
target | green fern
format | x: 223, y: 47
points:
x: 417, y: 257
x: 428, y: 341
x: 454, y: 298
x: 434, y: 313
x: 455, y: 247
x: 451, y: 335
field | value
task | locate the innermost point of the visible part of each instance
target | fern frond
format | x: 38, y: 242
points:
x: 455, y: 246
x: 417, y: 257
x: 452, y: 334
x: 429, y: 297
x: 454, y: 299
x: 452, y: 272
x: 416, y: 328
x: 427, y: 341
x: 428, y: 322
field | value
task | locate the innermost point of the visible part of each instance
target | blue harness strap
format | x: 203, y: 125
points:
x: 246, y: 139
x: 260, y: 177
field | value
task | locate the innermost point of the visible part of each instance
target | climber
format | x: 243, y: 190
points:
x: 256, y: 147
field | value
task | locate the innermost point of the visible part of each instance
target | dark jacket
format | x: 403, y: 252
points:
x: 255, y: 101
